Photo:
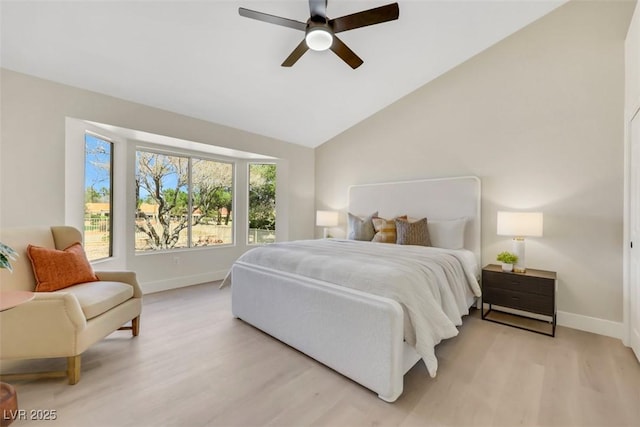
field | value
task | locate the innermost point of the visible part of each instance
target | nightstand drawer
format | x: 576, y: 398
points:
x: 518, y: 283
x: 534, y: 303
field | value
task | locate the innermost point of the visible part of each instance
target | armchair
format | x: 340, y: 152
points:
x: 66, y: 322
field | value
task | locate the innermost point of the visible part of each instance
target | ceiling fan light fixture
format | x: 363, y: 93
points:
x: 319, y: 39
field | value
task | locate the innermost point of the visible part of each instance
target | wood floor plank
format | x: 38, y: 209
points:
x: 193, y: 364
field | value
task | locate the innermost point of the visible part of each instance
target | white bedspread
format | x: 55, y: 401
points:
x: 428, y: 282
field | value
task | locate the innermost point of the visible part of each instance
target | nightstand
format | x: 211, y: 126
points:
x: 531, y: 292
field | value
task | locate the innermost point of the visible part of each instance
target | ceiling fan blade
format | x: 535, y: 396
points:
x: 318, y: 8
x: 296, y: 54
x: 272, y: 19
x: 346, y: 54
x: 373, y: 16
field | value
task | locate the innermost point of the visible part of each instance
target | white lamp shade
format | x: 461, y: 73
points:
x: 326, y: 218
x: 520, y: 224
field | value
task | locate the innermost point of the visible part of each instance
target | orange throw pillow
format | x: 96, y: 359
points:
x: 55, y: 269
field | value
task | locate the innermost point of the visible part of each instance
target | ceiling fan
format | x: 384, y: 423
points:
x: 320, y: 31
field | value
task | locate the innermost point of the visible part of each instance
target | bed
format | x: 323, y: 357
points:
x: 351, y: 304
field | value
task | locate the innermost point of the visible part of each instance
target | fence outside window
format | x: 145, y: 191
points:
x: 96, y: 236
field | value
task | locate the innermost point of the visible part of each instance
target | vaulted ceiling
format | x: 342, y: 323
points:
x: 201, y: 59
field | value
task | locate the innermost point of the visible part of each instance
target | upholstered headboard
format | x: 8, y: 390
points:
x: 435, y: 199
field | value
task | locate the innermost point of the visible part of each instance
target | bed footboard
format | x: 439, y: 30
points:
x: 357, y: 334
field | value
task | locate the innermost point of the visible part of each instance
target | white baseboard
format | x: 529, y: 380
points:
x: 591, y: 324
x: 577, y: 321
x: 181, y: 282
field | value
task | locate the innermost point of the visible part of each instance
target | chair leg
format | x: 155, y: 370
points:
x: 73, y: 369
x: 135, y: 326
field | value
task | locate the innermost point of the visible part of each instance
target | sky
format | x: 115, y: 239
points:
x: 97, y: 163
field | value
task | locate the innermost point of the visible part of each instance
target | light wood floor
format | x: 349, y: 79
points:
x: 194, y: 365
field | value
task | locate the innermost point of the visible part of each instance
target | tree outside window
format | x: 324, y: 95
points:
x: 213, y: 202
x: 262, y: 203
x: 182, y: 202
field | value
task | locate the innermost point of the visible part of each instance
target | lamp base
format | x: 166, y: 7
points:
x: 518, y: 249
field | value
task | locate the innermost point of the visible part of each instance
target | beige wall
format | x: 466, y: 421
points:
x: 32, y: 165
x: 632, y: 64
x: 538, y: 117
x: 632, y: 106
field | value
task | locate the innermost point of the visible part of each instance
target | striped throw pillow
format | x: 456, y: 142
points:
x: 385, y: 229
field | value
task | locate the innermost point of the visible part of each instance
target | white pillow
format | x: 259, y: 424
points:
x: 448, y: 234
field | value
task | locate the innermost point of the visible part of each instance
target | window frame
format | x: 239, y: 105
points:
x: 190, y: 155
x: 126, y: 142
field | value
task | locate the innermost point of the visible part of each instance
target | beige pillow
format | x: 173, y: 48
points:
x: 412, y: 233
x: 385, y: 229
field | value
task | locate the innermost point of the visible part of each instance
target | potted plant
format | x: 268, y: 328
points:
x: 6, y: 256
x: 507, y: 259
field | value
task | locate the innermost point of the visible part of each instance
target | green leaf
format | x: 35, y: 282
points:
x: 507, y: 257
x: 6, y: 254
x: 4, y: 263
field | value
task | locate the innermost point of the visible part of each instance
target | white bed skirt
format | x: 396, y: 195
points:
x: 357, y: 334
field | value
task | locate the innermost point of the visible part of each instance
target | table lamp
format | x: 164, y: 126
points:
x: 519, y: 225
x: 326, y: 219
